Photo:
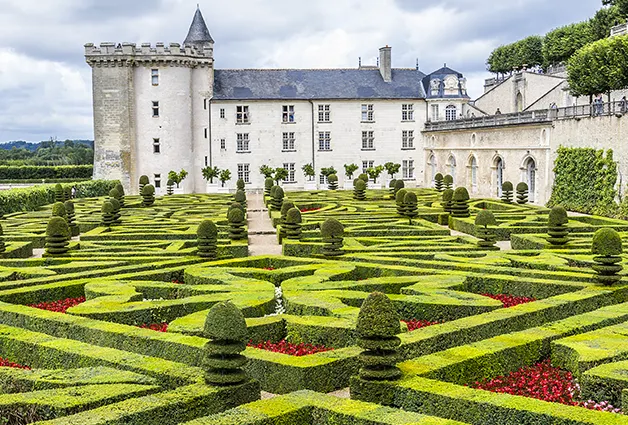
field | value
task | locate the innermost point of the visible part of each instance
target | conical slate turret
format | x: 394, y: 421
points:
x: 198, y: 34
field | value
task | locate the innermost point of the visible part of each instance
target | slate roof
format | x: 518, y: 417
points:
x: 198, y: 34
x: 251, y: 84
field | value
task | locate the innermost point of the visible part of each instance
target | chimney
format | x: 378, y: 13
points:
x: 385, y: 63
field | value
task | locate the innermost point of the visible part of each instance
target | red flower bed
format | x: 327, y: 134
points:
x: 289, y: 348
x: 269, y: 268
x: 418, y: 324
x: 159, y: 327
x: 6, y: 363
x: 543, y: 382
x: 310, y: 209
x: 176, y: 282
x: 510, y: 300
x: 60, y: 306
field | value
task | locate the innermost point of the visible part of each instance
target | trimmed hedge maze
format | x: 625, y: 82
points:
x: 135, y: 325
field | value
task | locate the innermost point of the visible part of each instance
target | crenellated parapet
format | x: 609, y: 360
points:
x: 129, y: 54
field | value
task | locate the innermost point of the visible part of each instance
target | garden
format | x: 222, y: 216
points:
x: 388, y: 306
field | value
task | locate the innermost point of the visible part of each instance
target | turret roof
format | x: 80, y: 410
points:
x: 198, y: 31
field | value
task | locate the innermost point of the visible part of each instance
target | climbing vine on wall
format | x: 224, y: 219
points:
x: 585, y: 181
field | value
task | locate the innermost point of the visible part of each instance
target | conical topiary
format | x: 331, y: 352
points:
x: 522, y: 193
x: 170, y: 187
x: 400, y: 198
x: 332, y: 182
x: 487, y: 237
x: 391, y: 188
x: 143, y: 182
x: 240, y: 197
x: 120, y: 190
x: 67, y: 193
x: 207, y: 237
x: 507, y: 189
x: 277, y: 198
x: 359, y: 190
x: 460, y: 207
x: 59, y: 193
x: 448, y: 182
x: 108, y: 215
x: 268, y: 185
x: 556, y: 226
x: 58, y: 210
x: 57, y: 236
x: 148, y: 195
x: 607, y: 247
x: 225, y: 328
x: 438, y: 182
x: 377, y: 329
x: 71, y: 218
x: 237, y: 224
x: 293, y: 224
x: 116, y: 210
x: 3, y: 247
x: 332, y: 232
x: 240, y: 184
x: 410, y: 203
x: 285, y: 207
x: 448, y: 200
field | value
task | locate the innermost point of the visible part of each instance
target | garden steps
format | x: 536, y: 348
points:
x: 262, y: 234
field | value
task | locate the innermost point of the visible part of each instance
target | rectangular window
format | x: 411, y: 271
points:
x: 205, y: 104
x: 155, y: 109
x: 323, y: 180
x: 324, y: 113
x: 156, y: 146
x: 407, y: 168
x: 407, y: 139
x: 407, y: 112
x: 244, y: 172
x: 367, y: 112
x: 288, y: 141
x: 324, y: 140
x: 366, y: 165
x: 242, y: 144
x: 222, y: 113
x: 154, y: 76
x: 368, y: 141
x: 205, y: 132
x: 288, y: 113
x: 223, y: 144
x: 435, y: 113
x: 206, y: 160
x: 242, y: 114
x: 291, y: 171
x: 157, y: 181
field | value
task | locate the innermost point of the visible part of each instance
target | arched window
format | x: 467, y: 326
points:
x: 432, y: 165
x: 451, y: 165
x: 451, y: 112
x: 519, y: 101
x: 530, y: 177
x: 499, y: 175
x: 473, y: 171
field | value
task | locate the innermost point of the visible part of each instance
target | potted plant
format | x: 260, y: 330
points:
x: 177, y: 178
x: 281, y: 174
x: 266, y: 171
x: 392, y: 169
x: 224, y: 176
x: 374, y: 173
x: 328, y: 171
x: 350, y: 169
x: 209, y: 174
x: 310, y: 173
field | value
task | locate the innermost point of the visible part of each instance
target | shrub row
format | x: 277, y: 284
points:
x: 24, y: 172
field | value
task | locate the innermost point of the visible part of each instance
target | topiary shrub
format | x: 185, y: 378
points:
x: 57, y: 236
x: 332, y: 182
x: 113, y: 193
x: 143, y: 182
x: 120, y: 190
x: 522, y: 193
x: 487, y: 238
x: 277, y: 198
x: 240, y: 185
x: 226, y: 330
x: 59, y: 193
x: 268, y: 185
x: 448, y: 200
x: 438, y: 182
x: 71, y: 218
x: 460, y: 207
x: 237, y: 224
x: 3, y: 247
x: 507, y: 190
x: 448, y: 182
x: 240, y: 197
x: 116, y: 210
x: 148, y: 195
x: 411, y: 209
x: 400, y: 198
x: 108, y: 216
x: 285, y: 207
x: 365, y: 178
x: 67, y: 193
x: 332, y: 232
x: 293, y: 224
x: 58, y: 210
x: 236, y: 205
x: 377, y: 328
x: 607, y: 247
x: 399, y: 184
x: 391, y: 188
x: 359, y: 190
x: 207, y: 238
x: 556, y: 228
x: 170, y: 187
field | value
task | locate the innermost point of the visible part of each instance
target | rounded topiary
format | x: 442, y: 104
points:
x: 332, y: 232
x: 293, y: 224
x: 507, y: 190
x: 448, y: 200
x: 71, y: 218
x: 120, y: 190
x: 391, y: 188
x: 332, y: 182
x: 58, y: 210
x: 411, y: 209
x: 67, y: 193
x: 113, y: 193
x: 400, y: 198
x: 359, y: 190
x: 285, y: 207
x: 277, y: 198
x: 607, y: 247
x: 237, y: 224
x: 170, y: 187
x: 225, y: 328
x: 487, y: 237
x: 438, y: 182
x: 240, y: 184
x: 116, y: 210
x: 399, y: 184
x: 460, y: 199
x: 238, y: 206
x: 240, y: 197
x: 448, y: 182
x: 556, y: 226
x: 365, y: 178
x: 148, y: 195
x: 3, y: 247
x: 522, y: 193
x: 207, y: 238
x: 108, y: 216
x: 57, y: 236
x: 268, y: 185
x: 377, y: 328
x: 143, y: 182
x: 59, y: 193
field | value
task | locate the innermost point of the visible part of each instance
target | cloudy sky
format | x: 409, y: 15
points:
x: 45, y: 85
